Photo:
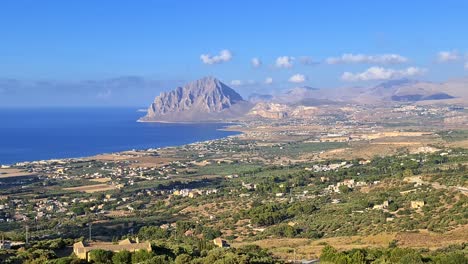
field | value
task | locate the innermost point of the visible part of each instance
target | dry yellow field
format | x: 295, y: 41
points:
x: 92, y: 188
x: 382, y: 147
x: 7, y: 173
x: 309, y: 249
x: 101, y: 180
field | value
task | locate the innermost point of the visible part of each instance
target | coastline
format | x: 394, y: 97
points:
x: 188, y: 122
x: 229, y: 127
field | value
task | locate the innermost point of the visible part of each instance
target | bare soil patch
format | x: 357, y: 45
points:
x: 93, y: 188
x: 8, y: 173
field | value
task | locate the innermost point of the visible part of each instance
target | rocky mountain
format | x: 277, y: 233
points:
x: 207, y: 99
x: 270, y: 110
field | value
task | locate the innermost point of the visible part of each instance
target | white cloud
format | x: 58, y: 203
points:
x: 223, y: 56
x: 256, y: 62
x: 361, y: 58
x: 380, y: 73
x: 446, y: 56
x: 236, y: 82
x: 284, y: 62
x: 268, y: 80
x: 298, y: 78
x: 466, y: 65
x: 243, y: 83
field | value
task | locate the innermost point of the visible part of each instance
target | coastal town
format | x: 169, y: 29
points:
x: 275, y: 180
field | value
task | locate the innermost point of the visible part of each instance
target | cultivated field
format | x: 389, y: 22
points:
x: 8, y: 173
x: 93, y: 188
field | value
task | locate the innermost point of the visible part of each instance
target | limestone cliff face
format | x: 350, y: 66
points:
x: 270, y: 110
x: 206, y: 99
x: 280, y: 111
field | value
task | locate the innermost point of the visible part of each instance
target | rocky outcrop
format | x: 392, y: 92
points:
x: 280, y: 111
x: 207, y: 99
x: 270, y: 110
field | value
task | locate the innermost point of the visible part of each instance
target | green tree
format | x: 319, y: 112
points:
x: 344, y: 189
x: 100, y: 256
x: 162, y: 259
x: 358, y: 258
x: 451, y: 258
x: 153, y: 233
x: 182, y: 259
x: 412, y: 258
x: 408, y: 173
x: 392, y: 207
x: 328, y: 254
x: 122, y: 257
x: 141, y: 256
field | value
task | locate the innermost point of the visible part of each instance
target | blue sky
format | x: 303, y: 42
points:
x: 321, y: 43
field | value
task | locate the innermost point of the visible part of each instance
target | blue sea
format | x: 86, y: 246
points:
x: 48, y: 133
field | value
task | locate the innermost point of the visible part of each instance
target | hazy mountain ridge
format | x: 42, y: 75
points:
x: 415, y: 91
x: 402, y: 90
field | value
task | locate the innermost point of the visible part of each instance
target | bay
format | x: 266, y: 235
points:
x: 31, y: 134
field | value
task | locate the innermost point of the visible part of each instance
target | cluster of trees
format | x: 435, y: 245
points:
x: 189, y: 250
x: 38, y: 253
x: 454, y: 255
x: 156, y: 233
x: 266, y: 215
x: 247, y: 254
x: 100, y: 256
x: 271, y: 214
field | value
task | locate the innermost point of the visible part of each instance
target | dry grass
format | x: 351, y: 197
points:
x: 118, y: 213
x: 382, y: 146
x: 307, y: 248
x: 9, y: 173
x: 458, y: 144
x: 425, y: 239
x: 101, y: 180
x: 92, y: 188
x: 140, y: 161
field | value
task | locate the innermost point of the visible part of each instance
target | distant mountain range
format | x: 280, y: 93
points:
x: 403, y: 90
x: 208, y: 99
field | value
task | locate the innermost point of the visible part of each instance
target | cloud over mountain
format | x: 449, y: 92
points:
x: 447, y: 56
x: 380, y: 73
x: 236, y: 82
x: 298, y: 78
x: 349, y: 58
x: 268, y: 80
x: 223, y: 56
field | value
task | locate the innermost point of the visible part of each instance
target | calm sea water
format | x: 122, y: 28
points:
x: 48, y: 133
